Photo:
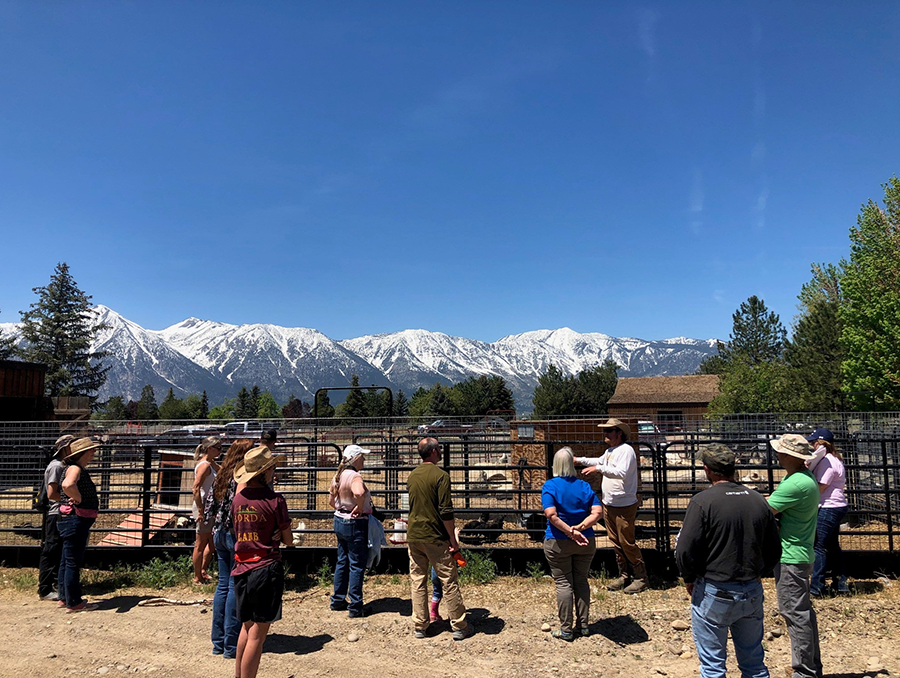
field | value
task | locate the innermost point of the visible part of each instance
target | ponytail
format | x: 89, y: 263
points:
x: 336, y: 481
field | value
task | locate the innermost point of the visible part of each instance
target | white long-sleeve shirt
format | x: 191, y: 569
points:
x: 620, y: 474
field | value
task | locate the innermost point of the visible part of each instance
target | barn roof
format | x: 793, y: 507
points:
x: 695, y: 388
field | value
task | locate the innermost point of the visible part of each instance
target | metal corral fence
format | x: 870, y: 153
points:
x: 144, y: 475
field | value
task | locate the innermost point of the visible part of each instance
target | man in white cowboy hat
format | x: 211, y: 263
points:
x: 261, y: 522
x: 620, y: 488
x: 51, y: 546
x: 796, y: 501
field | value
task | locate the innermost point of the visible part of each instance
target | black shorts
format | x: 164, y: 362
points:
x: 257, y: 593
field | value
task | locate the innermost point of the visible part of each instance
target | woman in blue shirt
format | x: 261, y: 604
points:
x: 571, y: 507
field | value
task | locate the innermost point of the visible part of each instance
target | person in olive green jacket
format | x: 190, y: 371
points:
x: 432, y: 541
x: 796, y: 501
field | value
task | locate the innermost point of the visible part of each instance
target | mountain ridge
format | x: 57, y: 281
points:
x: 195, y: 355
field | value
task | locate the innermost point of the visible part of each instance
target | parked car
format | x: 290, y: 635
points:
x: 447, y: 427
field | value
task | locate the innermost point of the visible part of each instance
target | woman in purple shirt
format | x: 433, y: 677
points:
x: 829, y: 473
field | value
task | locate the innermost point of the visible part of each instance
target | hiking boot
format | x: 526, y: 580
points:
x: 640, y: 579
x: 462, y: 634
x: 619, y: 583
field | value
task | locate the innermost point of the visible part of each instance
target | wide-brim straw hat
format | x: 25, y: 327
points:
x: 258, y: 460
x: 79, y: 446
x: 615, y: 423
x: 794, y: 445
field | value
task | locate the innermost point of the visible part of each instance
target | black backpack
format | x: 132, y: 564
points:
x: 41, y: 502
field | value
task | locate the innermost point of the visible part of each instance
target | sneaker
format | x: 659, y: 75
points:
x: 83, y: 607
x: 563, y: 635
x: 356, y: 614
x: 60, y: 603
x: 419, y: 634
x: 584, y: 633
x: 53, y: 595
x: 462, y: 634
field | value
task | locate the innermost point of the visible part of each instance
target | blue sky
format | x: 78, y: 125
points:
x: 474, y: 168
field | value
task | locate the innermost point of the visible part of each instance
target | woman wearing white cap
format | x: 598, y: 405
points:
x: 352, y: 506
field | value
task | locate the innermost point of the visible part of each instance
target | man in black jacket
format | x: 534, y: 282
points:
x: 729, y: 539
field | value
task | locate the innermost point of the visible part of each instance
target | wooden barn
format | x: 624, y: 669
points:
x: 669, y: 402
x: 22, y: 391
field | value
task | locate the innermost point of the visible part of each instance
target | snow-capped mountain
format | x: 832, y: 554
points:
x: 196, y: 355
x: 284, y: 360
x: 414, y: 358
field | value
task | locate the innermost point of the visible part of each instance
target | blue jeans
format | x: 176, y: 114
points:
x: 717, y: 607
x: 74, y: 532
x: 828, y: 549
x: 437, y: 590
x: 353, y: 548
x: 225, y: 624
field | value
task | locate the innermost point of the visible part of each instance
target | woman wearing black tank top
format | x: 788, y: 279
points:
x: 78, y: 512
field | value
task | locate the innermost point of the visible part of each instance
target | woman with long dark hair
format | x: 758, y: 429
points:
x: 225, y: 624
x: 78, y: 510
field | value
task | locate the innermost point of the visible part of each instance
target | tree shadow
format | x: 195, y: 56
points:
x: 401, y: 606
x: 484, y: 622
x: 278, y: 643
x: 120, y: 604
x: 622, y: 629
x: 866, y: 587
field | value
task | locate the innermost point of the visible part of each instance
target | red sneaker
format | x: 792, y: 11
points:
x: 83, y: 607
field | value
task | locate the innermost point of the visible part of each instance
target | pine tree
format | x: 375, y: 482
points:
x: 871, y: 312
x: 401, y: 404
x: 243, y: 407
x: 323, y: 405
x: 420, y: 403
x: 203, y: 412
x: 254, y: 400
x: 59, y: 329
x: 112, y: 410
x: 597, y: 385
x: 757, y: 334
x: 147, y: 409
x: 557, y: 394
x: 355, y: 402
x: 814, y: 352
x: 7, y: 347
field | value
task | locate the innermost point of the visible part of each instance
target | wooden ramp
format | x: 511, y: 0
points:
x: 133, y: 522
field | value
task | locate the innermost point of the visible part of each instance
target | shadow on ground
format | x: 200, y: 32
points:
x: 485, y: 622
x: 622, y: 629
x: 281, y: 644
x: 120, y: 603
x: 401, y: 606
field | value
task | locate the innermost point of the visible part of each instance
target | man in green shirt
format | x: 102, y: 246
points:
x: 796, y: 500
x: 431, y: 539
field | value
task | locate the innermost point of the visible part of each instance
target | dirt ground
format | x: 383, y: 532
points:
x: 631, y: 635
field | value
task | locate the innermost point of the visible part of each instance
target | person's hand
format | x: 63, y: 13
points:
x: 690, y: 588
x: 640, y: 501
x: 588, y: 470
x: 579, y: 538
x: 454, y: 546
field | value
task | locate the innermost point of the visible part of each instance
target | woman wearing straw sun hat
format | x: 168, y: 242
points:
x: 261, y: 522
x: 78, y: 510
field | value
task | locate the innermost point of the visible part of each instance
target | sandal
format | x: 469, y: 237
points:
x: 562, y: 635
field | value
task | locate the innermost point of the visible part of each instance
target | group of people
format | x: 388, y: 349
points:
x: 730, y: 537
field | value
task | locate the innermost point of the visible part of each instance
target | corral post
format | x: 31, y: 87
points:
x: 146, y: 495
x: 888, y: 508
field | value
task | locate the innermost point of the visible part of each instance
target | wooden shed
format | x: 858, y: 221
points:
x: 22, y: 391
x: 670, y: 402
